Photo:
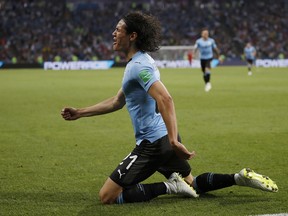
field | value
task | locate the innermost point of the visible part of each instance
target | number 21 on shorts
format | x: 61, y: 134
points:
x: 133, y: 159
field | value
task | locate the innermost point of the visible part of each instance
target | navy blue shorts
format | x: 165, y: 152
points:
x: 205, y: 63
x: 146, y: 159
x: 250, y: 61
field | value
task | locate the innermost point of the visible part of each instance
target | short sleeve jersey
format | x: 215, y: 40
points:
x: 249, y: 52
x: 205, y: 47
x: 140, y: 73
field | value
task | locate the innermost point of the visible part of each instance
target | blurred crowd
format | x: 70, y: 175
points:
x: 69, y: 30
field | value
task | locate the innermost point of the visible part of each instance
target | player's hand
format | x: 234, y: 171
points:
x: 183, y: 152
x: 69, y: 113
x: 221, y: 58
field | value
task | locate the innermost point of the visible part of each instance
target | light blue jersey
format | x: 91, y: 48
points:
x: 249, y: 52
x: 140, y: 73
x: 205, y: 47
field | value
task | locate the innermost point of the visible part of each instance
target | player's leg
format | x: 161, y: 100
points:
x: 135, y: 168
x: 109, y: 192
x: 151, y: 157
x: 203, y: 65
x: 141, y: 193
x: 203, y: 68
x: 180, y: 178
x: 249, y: 65
x: 116, y: 189
x: 207, y: 74
x: 175, y: 168
x: 146, y: 192
x: 246, y: 177
x: 124, y: 185
x: 209, y: 181
x: 212, y: 181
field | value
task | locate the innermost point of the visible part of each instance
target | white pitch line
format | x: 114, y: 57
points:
x: 280, y: 214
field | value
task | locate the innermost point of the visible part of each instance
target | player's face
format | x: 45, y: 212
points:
x: 120, y: 37
x: 205, y: 34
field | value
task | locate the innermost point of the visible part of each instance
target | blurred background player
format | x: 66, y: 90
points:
x: 190, y: 57
x: 250, y: 55
x: 206, y: 46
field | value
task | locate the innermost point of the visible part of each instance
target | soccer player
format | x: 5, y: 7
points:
x: 190, y: 57
x: 206, y: 47
x: 250, y: 55
x: 151, y: 108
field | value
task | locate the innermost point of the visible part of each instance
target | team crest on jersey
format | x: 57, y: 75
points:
x: 145, y: 76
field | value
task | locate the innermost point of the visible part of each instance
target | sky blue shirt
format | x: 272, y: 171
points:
x: 140, y: 73
x: 205, y: 47
x: 249, y: 52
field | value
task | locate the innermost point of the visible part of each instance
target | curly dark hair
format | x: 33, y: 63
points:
x: 148, y: 30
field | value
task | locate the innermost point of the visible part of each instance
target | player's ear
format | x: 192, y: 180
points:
x: 133, y: 36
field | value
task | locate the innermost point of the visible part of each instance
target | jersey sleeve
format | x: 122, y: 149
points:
x: 146, y: 76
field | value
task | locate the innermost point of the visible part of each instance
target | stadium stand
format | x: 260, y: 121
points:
x: 69, y: 30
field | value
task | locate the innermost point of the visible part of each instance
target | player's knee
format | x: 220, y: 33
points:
x: 106, y: 198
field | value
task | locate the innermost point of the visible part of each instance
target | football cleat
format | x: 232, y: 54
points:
x: 247, y: 177
x: 208, y: 87
x: 177, y: 185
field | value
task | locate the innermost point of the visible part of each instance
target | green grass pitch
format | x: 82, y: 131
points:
x: 49, y: 166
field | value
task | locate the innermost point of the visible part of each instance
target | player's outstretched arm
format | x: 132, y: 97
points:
x: 166, y: 107
x: 217, y: 51
x: 107, y: 106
